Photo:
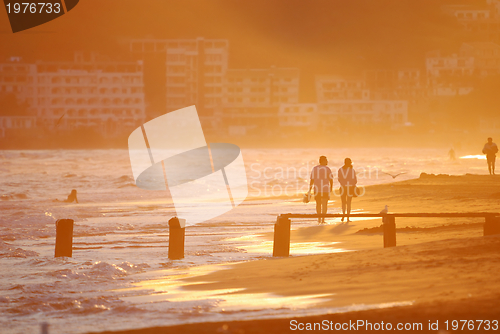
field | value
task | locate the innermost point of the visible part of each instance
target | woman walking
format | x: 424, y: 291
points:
x: 347, y: 180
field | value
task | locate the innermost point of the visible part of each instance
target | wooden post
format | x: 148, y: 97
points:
x: 176, y: 238
x: 491, y: 225
x: 281, y: 244
x: 389, y: 231
x: 64, y: 238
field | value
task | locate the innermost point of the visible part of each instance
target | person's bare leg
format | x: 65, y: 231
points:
x: 489, y: 166
x: 349, y: 200
x: 493, y: 166
x: 318, y: 209
x: 344, y: 199
x: 324, y: 208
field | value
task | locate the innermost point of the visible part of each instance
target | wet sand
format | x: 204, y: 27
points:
x: 444, y: 269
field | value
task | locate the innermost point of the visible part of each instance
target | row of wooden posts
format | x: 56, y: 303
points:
x: 281, y: 244
x: 64, y: 238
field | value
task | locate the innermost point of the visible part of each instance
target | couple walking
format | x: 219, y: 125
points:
x: 322, y: 183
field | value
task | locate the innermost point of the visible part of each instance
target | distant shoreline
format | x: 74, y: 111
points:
x: 79, y: 139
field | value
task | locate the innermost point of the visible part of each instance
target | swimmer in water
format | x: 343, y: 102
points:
x: 71, y: 197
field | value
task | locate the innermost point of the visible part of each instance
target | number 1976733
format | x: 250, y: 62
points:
x: 33, y: 7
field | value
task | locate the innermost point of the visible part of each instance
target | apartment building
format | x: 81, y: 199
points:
x: 391, y: 113
x: 449, y: 75
x: 395, y: 84
x: 251, y: 97
x: 17, y: 78
x: 339, y: 88
x: 299, y: 116
x: 13, y: 124
x: 348, y: 100
x: 90, y: 92
x: 486, y: 57
x: 87, y: 92
x: 183, y: 72
x: 465, y: 13
x: 482, y: 20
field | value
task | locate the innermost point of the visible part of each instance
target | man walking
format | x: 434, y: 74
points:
x: 490, y: 149
x: 322, y: 181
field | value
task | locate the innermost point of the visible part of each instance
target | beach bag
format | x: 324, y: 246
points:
x: 306, y: 198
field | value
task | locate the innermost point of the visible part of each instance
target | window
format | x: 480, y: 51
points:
x: 176, y: 69
x: 211, y: 57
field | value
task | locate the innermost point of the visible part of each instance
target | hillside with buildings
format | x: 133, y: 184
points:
x: 421, y: 88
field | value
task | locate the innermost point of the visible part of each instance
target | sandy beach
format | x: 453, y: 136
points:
x: 442, y: 269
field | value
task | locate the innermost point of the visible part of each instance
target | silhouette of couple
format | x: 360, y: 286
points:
x: 322, y: 184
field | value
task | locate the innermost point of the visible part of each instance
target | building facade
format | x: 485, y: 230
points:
x: 396, y: 84
x: 13, y: 124
x: 183, y: 72
x: 252, y: 97
x: 299, y: 116
x: 88, y: 92
x: 349, y: 102
x: 330, y: 88
x: 486, y: 57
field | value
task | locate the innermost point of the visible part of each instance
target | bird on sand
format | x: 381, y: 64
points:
x: 383, y: 212
x: 394, y: 175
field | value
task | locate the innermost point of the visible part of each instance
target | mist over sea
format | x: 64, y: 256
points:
x: 121, y: 234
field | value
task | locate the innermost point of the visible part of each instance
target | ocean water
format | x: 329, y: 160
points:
x: 120, y: 276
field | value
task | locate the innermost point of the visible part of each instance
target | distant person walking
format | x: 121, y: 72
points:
x: 322, y: 183
x: 490, y: 149
x: 348, y: 181
x: 451, y: 154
